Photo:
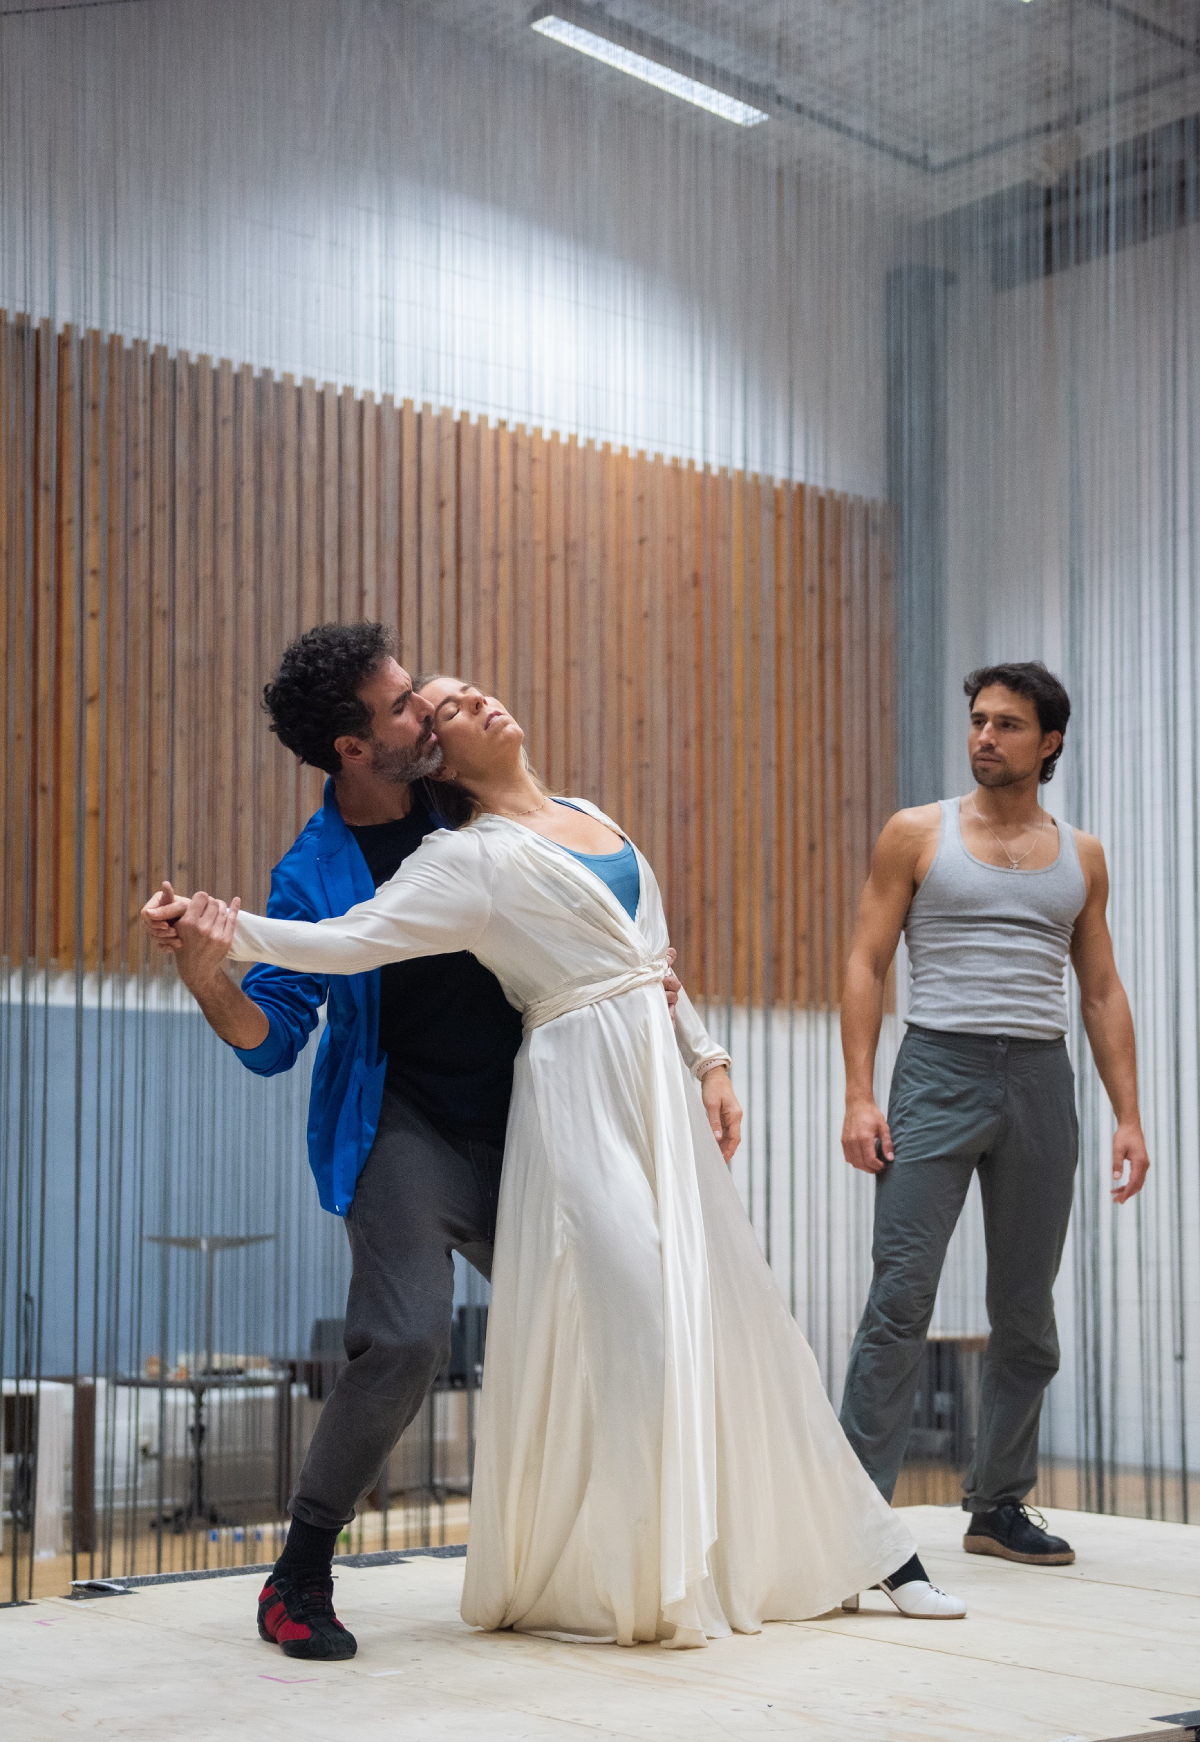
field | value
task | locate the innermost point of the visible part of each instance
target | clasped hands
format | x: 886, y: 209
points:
x: 197, y: 930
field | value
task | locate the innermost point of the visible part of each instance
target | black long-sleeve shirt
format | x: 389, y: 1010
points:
x: 449, y: 1032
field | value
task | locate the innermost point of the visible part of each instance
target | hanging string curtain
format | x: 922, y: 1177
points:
x: 166, y: 524
x: 722, y: 452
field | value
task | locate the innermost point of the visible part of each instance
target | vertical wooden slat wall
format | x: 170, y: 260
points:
x: 705, y: 654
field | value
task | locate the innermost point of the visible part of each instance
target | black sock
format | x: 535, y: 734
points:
x: 308, y: 1551
x: 912, y: 1569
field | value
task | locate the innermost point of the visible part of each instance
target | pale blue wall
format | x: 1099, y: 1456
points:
x: 119, y: 1123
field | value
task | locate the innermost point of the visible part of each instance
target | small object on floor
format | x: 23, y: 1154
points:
x: 297, y: 1615
x: 1017, y: 1533
x: 91, y: 1588
x: 912, y: 1592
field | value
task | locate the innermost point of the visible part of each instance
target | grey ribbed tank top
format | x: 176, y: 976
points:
x: 988, y: 947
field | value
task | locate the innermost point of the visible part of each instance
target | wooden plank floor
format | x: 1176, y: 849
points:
x: 1070, y: 1654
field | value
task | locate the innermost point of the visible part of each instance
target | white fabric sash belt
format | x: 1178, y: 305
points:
x: 595, y: 992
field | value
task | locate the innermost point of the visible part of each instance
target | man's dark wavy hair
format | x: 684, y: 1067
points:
x: 313, y: 697
x: 1029, y: 678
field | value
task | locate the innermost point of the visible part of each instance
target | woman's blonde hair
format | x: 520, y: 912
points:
x: 450, y: 801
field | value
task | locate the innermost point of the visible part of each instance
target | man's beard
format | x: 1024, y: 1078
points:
x: 404, y: 764
x: 995, y: 774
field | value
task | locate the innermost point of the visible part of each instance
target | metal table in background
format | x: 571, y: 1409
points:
x: 201, y: 1383
x: 198, y: 1509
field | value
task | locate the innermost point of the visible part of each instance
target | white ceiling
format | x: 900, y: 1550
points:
x: 938, y: 101
x: 946, y: 99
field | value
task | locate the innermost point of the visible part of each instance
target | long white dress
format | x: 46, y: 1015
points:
x: 656, y: 1455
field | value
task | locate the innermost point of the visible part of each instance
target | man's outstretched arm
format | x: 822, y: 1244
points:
x: 866, y: 1139
x: 1108, y: 1023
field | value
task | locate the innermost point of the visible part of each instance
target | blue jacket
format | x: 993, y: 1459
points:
x: 322, y: 874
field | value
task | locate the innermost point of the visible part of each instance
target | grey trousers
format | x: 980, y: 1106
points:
x: 961, y: 1103
x: 420, y: 1197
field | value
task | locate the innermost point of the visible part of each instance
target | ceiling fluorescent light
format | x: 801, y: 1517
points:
x: 639, y: 66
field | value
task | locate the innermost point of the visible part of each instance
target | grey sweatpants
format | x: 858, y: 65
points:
x: 420, y: 1197
x: 961, y: 1103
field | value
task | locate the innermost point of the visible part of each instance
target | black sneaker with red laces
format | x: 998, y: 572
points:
x: 297, y: 1615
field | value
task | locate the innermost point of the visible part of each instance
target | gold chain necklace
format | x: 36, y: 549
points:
x: 1013, y: 864
x: 531, y: 812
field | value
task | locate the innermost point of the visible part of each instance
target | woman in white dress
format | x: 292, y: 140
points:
x: 656, y: 1456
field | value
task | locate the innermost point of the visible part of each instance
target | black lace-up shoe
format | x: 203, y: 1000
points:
x: 297, y: 1615
x: 1017, y: 1533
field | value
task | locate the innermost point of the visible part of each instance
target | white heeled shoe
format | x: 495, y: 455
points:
x: 917, y: 1599
x: 923, y: 1601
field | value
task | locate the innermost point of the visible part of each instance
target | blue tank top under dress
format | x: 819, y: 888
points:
x: 618, y: 870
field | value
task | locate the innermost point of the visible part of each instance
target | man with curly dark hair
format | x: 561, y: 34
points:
x: 993, y: 895
x: 410, y: 1087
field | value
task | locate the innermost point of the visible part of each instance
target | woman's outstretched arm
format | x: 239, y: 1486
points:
x: 437, y: 903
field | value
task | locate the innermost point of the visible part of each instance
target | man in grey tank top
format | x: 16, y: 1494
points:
x: 992, y: 896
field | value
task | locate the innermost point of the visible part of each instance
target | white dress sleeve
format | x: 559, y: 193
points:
x: 696, y: 1045
x: 438, y: 902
